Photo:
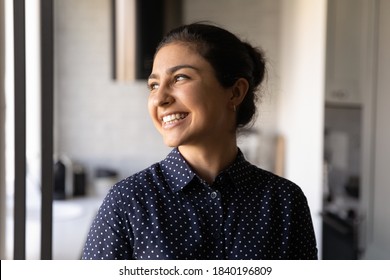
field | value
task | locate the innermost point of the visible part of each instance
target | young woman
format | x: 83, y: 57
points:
x: 204, y: 200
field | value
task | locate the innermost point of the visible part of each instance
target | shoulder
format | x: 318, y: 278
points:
x: 147, y: 178
x: 133, y: 192
x: 268, y: 182
x: 273, y: 179
x: 249, y: 177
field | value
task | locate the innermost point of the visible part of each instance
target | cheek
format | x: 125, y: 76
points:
x: 150, y: 102
x: 152, y: 110
x: 195, y: 98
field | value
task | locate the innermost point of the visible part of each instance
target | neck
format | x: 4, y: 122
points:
x: 209, y: 161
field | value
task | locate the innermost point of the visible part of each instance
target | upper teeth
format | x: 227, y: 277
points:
x: 174, y: 117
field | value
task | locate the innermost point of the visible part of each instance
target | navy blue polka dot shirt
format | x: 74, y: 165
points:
x: 167, y: 212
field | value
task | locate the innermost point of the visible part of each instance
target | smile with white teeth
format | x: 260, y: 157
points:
x: 169, y: 119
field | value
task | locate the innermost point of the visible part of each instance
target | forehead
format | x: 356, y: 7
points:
x: 174, y: 53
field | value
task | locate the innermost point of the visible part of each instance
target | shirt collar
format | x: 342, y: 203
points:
x: 179, y: 174
x: 176, y: 170
x: 237, y: 171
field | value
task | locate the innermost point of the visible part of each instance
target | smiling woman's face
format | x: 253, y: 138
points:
x: 187, y: 104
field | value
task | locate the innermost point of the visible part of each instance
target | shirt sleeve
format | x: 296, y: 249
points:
x: 303, y: 242
x: 109, y: 236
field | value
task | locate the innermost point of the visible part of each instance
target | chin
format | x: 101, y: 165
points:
x: 171, y: 143
x: 173, y: 139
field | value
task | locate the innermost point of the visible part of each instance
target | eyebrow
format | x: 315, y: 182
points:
x: 174, y: 69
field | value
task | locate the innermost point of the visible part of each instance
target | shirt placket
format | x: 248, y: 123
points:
x: 217, y: 218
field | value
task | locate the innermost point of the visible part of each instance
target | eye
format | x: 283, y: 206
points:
x: 180, y: 77
x: 153, y: 86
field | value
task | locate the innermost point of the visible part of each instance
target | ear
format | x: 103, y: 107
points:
x: 239, y: 91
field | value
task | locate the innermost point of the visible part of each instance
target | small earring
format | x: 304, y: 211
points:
x: 234, y: 108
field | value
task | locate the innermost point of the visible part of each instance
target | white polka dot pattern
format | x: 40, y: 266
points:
x: 167, y: 212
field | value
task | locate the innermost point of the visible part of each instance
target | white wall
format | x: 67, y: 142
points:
x: 301, y: 100
x: 377, y: 138
x: 98, y: 122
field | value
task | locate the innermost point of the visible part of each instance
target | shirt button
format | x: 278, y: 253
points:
x: 213, y: 195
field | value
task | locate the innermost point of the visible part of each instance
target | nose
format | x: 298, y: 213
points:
x: 162, y: 97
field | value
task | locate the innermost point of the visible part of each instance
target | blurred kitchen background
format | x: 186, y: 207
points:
x: 322, y: 123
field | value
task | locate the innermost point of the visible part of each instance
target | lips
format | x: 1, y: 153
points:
x: 173, y: 118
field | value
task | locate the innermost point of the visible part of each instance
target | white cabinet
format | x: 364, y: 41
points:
x: 345, y: 51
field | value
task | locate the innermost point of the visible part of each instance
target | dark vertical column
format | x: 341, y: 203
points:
x: 149, y: 30
x: 47, y: 85
x: 20, y: 131
x: 2, y: 133
x: 154, y: 19
x: 113, y: 39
